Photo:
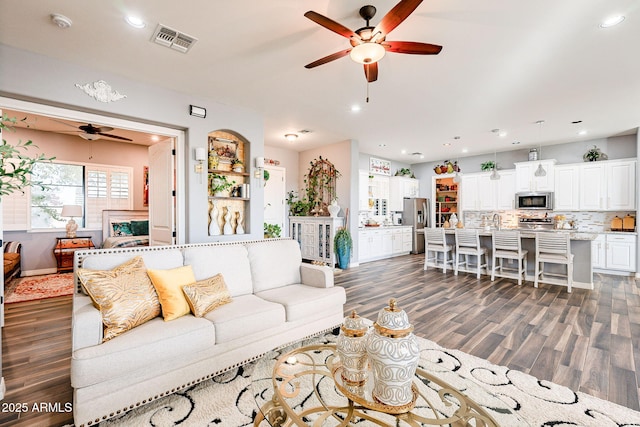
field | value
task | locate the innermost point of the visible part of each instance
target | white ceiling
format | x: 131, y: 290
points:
x: 505, y: 64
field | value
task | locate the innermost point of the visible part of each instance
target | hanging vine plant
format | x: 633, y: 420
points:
x: 321, y: 185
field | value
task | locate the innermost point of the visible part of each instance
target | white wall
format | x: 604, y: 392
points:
x: 25, y: 75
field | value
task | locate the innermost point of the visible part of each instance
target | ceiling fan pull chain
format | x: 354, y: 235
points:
x: 367, y: 92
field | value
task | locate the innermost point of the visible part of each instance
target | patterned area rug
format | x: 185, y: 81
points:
x: 228, y: 400
x: 38, y: 287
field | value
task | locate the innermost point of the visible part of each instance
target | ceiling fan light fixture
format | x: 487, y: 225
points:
x: 89, y: 136
x: 367, y: 53
x: 291, y: 137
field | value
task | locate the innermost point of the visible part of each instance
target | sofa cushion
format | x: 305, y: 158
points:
x: 159, y: 259
x: 274, y: 264
x: 206, y: 295
x: 168, y: 284
x: 302, y: 301
x: 229, y: 260
x: 125, y: 296
x: 140, y: 348
x: 245, y: 315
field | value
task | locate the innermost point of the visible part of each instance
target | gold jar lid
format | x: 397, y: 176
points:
x: 393, y: 322
x: 354, y: 326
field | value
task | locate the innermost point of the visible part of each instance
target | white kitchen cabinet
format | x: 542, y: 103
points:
x: 383, y: 242
x: 566, y: 191
x: 608, y: 185
x: 526, y: 180
x: 614, y: 252
x: 506, y: 190
x: 480, y: 193
x: 399, y: 188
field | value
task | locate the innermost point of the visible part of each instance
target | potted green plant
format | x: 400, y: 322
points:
x: 594, y: 154
x: 237, y: 165
x: 220, y: 185
x: 271, y: 231
x: 488, y: 165
x: 16, y: 168
x: 298, y: 207
x: 343, y: 245
x: 265, y: 176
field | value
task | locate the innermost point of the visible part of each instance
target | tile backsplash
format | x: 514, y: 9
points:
x: 588, y: 221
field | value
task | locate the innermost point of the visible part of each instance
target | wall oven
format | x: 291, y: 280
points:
x: 539, y: 200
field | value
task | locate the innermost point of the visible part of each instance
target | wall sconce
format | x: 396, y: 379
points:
x: 197, y: 111
x: 259, y: 167
x: 201, y: 157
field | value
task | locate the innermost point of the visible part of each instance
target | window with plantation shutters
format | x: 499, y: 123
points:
x: 108, y: 187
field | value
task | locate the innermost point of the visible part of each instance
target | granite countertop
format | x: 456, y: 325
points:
x: 361, y: 227
x: 530, y: 234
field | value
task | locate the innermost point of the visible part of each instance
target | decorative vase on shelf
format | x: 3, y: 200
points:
x: 352, y: 350
x: 333, y: 208
x: 239, y: 221
x: 214, y: 227
x: 228, y: 227
x: 393, y: 352
x: 453, y: 220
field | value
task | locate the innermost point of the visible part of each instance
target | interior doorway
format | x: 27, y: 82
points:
x: 275, y: 198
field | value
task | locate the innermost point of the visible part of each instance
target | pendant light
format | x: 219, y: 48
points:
x: 494, y: 174
x: 540, y: 170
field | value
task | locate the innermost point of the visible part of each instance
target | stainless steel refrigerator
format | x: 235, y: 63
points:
x: 416, y: 214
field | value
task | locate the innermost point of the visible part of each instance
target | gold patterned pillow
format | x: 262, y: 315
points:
x: 206, y: 295
x: 125, y: 296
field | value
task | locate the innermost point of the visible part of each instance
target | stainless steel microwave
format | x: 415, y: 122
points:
x: 538, y: 200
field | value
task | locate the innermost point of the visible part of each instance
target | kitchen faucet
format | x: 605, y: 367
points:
x: 497, y: 221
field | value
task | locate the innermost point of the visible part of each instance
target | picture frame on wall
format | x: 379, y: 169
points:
x: 145, y: 188
x: 226, y: 150
x: 379, y: 166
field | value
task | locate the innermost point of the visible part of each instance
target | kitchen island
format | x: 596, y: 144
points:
x: 580, y: 248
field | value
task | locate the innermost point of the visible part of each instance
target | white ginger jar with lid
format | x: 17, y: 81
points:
x: 333, y: 208
x: 393, y: 352
x: 351, y: 348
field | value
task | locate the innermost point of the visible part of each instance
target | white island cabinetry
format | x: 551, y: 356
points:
x: 614, y: 253
x: 383, y: 242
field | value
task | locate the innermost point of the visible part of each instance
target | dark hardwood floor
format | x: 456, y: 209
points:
x: 586, y: 340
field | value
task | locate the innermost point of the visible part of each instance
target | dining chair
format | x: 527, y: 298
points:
x: 553, y: 248
x: 468, y: 244
x: 507, y: 245
x: 435, y: 242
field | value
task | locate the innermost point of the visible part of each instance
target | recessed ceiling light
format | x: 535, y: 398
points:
x: 611, y: 21
x: 582, y: 132
x: 403, y: 151
x: 382, y: 145
x: 355, y: 108
x: 502, y: 133
x: 465, y: 150
x: 422, y: 156
x: 135, y: 22
x: 456, y: 137
x: 446, y: 144
x: 291, y: 137
x: 516, y: 142
x: 155, y: 138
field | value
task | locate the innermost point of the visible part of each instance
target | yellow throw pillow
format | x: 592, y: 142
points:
x: 168, y: 284
x: 206, y: 295
x: 125, y: 296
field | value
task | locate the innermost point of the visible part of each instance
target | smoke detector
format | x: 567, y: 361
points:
x: 60, y: 20
x: 173, y: 39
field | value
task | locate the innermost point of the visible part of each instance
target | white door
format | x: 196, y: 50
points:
x: 162, y: 193
x: 274, y: 198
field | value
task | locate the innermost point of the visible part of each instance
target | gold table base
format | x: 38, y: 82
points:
x: 359, y: 402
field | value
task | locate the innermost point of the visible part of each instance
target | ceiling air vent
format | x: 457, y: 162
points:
x: 173, y: 39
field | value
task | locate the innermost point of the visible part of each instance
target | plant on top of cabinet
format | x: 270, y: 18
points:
x: 594, y: 154
x: 488, y: 165
x: 405, y: 172
x: 321, y: 185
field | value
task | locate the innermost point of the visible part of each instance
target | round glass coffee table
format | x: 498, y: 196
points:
x: 301, y: 385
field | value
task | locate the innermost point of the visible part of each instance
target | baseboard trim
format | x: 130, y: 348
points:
x: 39, y: 272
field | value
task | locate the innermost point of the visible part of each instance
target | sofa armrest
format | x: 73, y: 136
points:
x: 86, y: 323
x: 319, y: 276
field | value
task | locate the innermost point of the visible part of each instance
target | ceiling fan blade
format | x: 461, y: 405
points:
x: 415, y: 48
x: 114, y: 136
x: 330, y: 24
x: 89, y: 128
x: 328, y: 58
x: 371, y: 72
x: 395, y: 16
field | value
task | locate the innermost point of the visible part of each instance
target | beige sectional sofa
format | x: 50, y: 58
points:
x: 277, y: 299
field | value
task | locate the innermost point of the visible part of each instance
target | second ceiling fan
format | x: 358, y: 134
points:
x: 369, y: 44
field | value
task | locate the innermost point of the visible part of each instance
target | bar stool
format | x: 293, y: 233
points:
x: 554, y: 248
x: 468, y: 243
x: 507, y: 245
x: 435, y: 241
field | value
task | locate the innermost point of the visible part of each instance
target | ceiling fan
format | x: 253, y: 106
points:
x: 369, y: 44
x: 92, y: 133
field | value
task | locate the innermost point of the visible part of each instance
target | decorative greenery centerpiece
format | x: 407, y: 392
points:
x: 321, y: 185
x: 594, y: 154
x: 405, y: 172
x: 271, y: 231
x: 343, y: 245
x: 16, y: 169
x: 488, y: 165
x: 297, y: 206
